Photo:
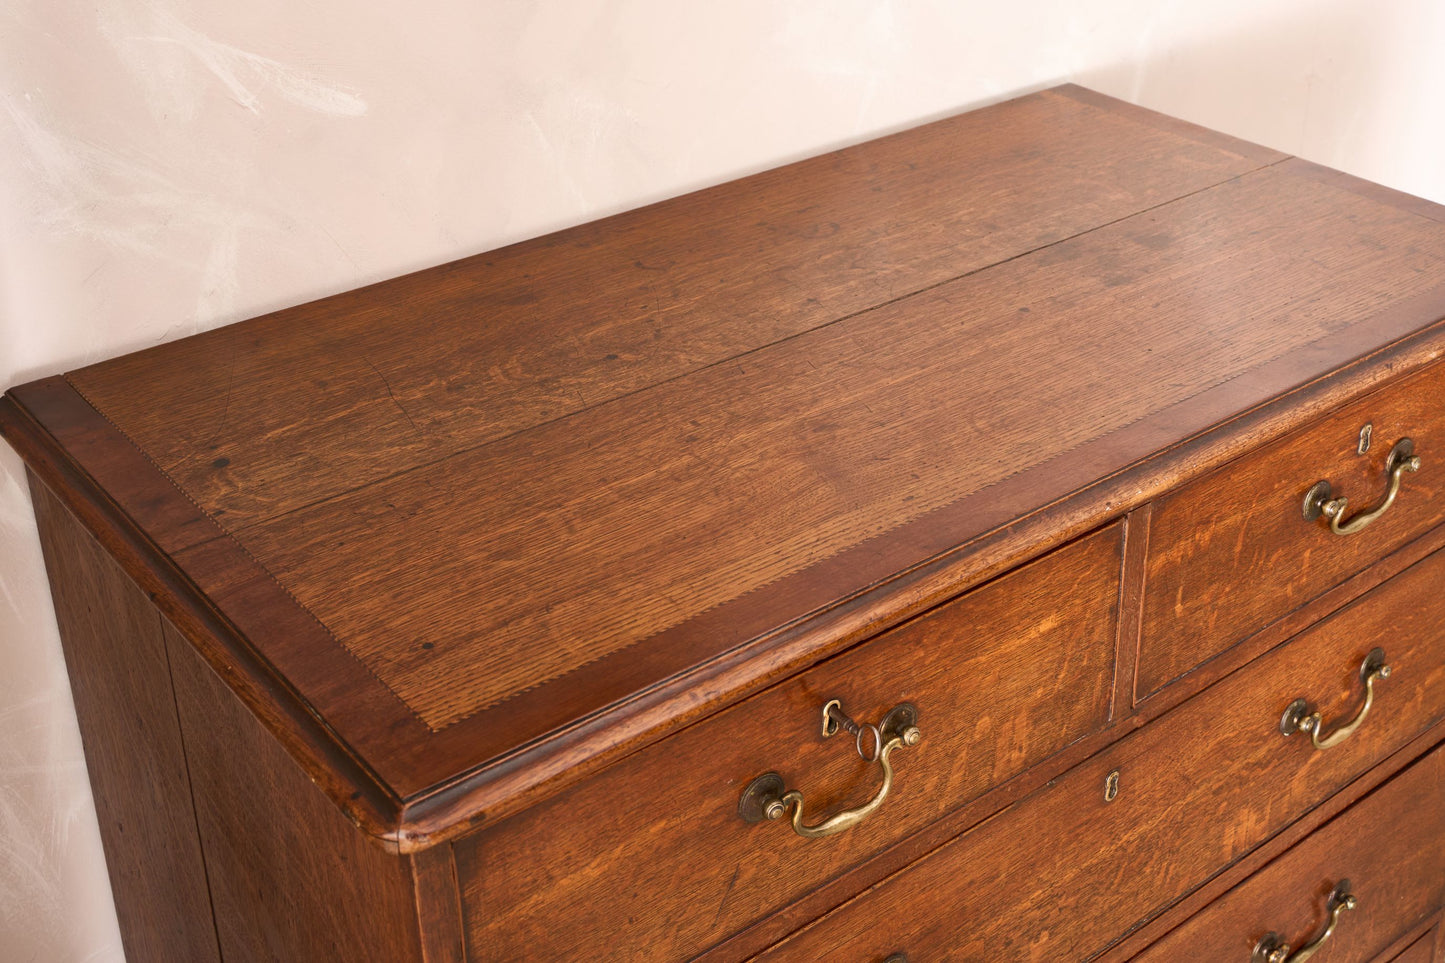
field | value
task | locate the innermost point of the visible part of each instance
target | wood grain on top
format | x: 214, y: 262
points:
x: 463, y: 514
x: 469, y: 579
x: 258, y: 419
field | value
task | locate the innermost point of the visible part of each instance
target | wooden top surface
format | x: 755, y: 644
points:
x: 476, y: 517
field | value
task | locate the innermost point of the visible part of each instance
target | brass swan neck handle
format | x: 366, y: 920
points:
x: 1300, y: 717
x: 767, y: 798
x: 1319, y: 503
x: 1272, y: 947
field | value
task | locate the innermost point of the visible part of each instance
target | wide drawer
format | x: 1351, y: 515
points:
x: 1064, y: 873
x: 651, y: 860
x: 1232, y: 551
x: 1387, y: 852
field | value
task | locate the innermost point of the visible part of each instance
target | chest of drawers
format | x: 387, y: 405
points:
x: 1017, y: 538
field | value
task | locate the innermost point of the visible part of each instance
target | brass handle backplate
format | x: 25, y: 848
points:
x: 1319, y: 503
x: 1272, y: 947
x: 1299, y: 717
x: 768, y: 798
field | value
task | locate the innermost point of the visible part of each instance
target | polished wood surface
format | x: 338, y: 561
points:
x: 767, y: 932
x: 1231, y: 552
x: 121, y: 474
x: 1421, y: 951
x: 438, y: 905
x: 291, y: 879
x: 448, y: 619
x: 1063, y: 873
x: 120, y: 679
x: 1390, y: 846
x: 1003, y: 679
x: 461, y: 568
x: 1127, y: 948
x: 414, y: 370
x: 557, y: 547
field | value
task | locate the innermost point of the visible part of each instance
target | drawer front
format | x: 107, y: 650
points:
x: 1231, y: 552
x: 1420, y: 951
x: 653, y: 853
x: 1390, y: 847
x: 1065, y: 872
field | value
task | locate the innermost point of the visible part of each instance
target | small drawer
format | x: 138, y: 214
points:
x: 1386, y: 851
x: 1066, y: 872
x: 1232, y: 551
x: 651, y: 860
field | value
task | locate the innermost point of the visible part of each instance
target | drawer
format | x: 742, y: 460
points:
x: 1231, y: 552
x: 652, y: 852
x: 1420, y: 951
x: 1065, y: 872
x: 1389, y: 847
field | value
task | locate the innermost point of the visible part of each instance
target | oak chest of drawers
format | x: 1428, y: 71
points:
x: 1018, y: 538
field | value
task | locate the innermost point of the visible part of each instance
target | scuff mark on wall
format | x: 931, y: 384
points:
x: 129, y: 206
x: 140, y: 35
x: 31, y: 882
x: 42, y: 825
x: 123, y: 202
x: 133, y: 205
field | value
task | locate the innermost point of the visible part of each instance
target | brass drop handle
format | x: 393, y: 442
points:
x: 1272, y: 947
x: 1299, y: 717
x: 767, y: 797
x: 1319, y: 503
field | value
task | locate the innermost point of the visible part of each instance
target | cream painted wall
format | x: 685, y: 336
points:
x: 171, y: 165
